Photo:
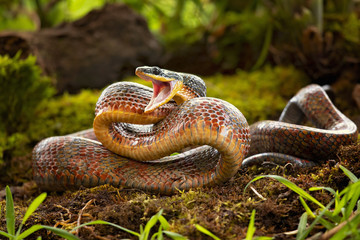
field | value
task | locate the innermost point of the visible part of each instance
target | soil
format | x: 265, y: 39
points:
x: 224, y: 209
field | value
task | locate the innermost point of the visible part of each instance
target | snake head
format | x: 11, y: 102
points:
x: 165, y: 85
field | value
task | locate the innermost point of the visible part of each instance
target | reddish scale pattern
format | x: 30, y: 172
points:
x: 132, y: 98
x: 71, y: 161
x: 294, y: 142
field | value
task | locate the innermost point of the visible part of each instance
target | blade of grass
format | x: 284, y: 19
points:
x: 159, y: 234
x: 175, y: 236
x: 307, y: 208
x: 323, y: 188
x: 265, y: 49
x: 29, y: 231
x: 5, y: 234
x: 302, y: 226
x: 61, y: 232
x: 341, y: 231
x: 353, y: 202
x: 205, y: 231
x: 164, y: 223
x: 108, y: 223
x: 33, y: 206
x: 348, y: 193
x: 334, y: 218
x: 153, y: 220
x: 303, y: 235
x: 141, y: 230
x: 324, y: 222
x: 251, y: 229
x: 291, y: 186
x: 10, y: 213
x: 348, y: 173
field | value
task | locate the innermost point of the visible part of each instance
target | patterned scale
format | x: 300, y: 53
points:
x: 138, y: 155
x: 286, y: 141
x: 130, y: 146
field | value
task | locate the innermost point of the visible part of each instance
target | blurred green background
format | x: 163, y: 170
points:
x: 241, y: 34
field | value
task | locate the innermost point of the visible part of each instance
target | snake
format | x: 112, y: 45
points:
x: 290, y: 141
x: 138, y: 129
x: 173, y: 137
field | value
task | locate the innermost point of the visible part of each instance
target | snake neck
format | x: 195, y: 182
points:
x: 193, y: 87
x: 186, y: 93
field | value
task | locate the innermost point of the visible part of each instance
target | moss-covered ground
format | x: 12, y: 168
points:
x: 224, y: 209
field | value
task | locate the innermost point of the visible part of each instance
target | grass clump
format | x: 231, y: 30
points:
x: 10, y: 220
x: 340, y: 218
x: 145, y: 232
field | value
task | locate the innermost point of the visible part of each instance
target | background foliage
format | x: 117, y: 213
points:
x: 234, y: 34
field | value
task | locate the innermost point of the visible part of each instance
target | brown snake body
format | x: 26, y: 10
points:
x: 137, y: 156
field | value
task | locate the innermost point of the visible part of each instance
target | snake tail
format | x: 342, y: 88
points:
x: 287, y: 141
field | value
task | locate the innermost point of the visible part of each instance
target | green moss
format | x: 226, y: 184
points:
x: 57, y: 116
x: 65, y: 114
x: 259, y: 95
x: 22, y: 89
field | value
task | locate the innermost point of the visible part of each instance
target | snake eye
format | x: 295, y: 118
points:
x: 156, y: 71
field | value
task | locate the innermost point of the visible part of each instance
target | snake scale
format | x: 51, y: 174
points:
x: 136, y: 129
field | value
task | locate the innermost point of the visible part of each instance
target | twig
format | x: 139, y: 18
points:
x: 64, y: 222
x: 257, y: 194
x: 81, y: 213
x: 328, y: 234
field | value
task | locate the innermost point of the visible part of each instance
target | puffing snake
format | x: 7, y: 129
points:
x: 176, y: 116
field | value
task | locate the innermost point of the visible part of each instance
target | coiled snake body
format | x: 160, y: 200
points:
x: 137, y: 156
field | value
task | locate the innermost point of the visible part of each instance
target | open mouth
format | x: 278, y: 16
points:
x: 163, y: 93
x: 163, y: 90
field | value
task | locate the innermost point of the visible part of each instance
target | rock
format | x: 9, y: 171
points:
x: 102, y: 47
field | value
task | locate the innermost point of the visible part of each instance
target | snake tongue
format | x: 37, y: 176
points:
x: 163, y: 93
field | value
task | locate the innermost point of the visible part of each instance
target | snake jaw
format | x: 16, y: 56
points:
x: 166, y: 85
x: 163, y: 93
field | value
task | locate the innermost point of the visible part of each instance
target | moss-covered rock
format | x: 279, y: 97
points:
x: 64, y: 114
x: 22, y: 89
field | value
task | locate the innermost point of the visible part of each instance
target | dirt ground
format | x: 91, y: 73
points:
x: 224, y: 209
